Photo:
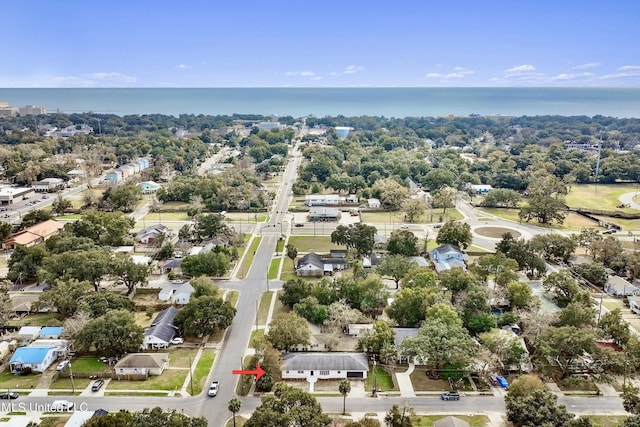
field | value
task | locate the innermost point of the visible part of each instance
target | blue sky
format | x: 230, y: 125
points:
x: 328, y: 43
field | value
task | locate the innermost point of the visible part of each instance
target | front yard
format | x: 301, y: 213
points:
x: 171, y: 379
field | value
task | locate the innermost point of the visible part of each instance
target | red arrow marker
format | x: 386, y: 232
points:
x: 258, y: 372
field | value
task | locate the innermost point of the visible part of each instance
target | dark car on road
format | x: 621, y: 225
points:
x: 9, y: 395
x: 450, y: 395
x: 97, y: 385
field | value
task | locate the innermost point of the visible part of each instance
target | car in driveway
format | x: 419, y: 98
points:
x: 9, y: 395
x: 450, y: 395
x: 213, y: 389
x: 502, y: 382
x: 62, y: 365
x: 97, y: 385
x: 177, y: 340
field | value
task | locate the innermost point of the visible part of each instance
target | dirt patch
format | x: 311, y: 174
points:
x: 496, y: 232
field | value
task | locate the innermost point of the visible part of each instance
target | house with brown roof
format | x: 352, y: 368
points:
x: 33, y: 235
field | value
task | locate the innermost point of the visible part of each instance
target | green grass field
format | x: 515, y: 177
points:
x: 572, y: 221
x: 263, y: 309
x: 171, y: 379
x: 248, y: 258
x: 397, y: 217
x: 313, y: 243
x: 383, y: 380
x: 273, y: 268
x: 429, y: 420
x: 40, y: 319
x: 181, y: 357
x: 202, y: 370
x: 65, y: 384
x: 10, y: 381
x: 601, y: 196
x: 156, y: 217
x: 89, y: 365
x: 255, y: 334
x: 232, y: 297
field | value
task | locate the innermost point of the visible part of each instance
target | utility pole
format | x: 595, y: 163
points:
x: 191, y: 375
x: 73, y: 386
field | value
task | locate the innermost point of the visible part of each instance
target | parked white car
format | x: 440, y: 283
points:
x: 61, y: 406
x: 177, y: 340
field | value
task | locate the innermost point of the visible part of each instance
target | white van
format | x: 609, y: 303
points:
x: 61, y: 406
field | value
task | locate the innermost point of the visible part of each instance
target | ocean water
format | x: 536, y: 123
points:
x: 299, y: 102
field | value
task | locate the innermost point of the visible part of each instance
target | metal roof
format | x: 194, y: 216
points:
x: 325, y: 361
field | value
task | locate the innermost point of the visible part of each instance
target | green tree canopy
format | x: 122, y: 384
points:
x: 204, y: 315
x: 114, y: 334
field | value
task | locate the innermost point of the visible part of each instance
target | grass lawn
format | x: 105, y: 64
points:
x: 145, y: 393
x: 40, y: 319
x: 202, y: 370
x: 626, y: 224
x: 273, y: 268
x: 53, y: 421
x: 612, y: 305
x: 171, y: 379
x: 313, y: 243
x: 383, y: 380
x: 65, y: 384
x: 64, y: 393
x: 421, y: 382
x: 278, y: 307
x: 607, y: 420
x: 263, y: 309
x: 240, y: 421
x: 142, y: 319
x: 248, y: 258
x: 397, y: 217
x: 232, y: 297
x: 89, y: 365
x: 280, y: 246
x: 429, y: 420
x: 181, y: 357
x: 165, y: 216
x: 255, y: 334
x: 572, y: 221
x: 601, y: 196
x: 11, y: 381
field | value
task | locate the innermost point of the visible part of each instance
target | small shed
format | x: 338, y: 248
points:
x: 51, y: 332
x: 28, y: 333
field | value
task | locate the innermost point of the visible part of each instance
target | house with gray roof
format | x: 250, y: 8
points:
x: 619, y: 286
x: 400, y: 336
x: 151, y: 234
x: 310, y: 265
x: 321, y: 213
x: 141, y: 365
x: 446, y: 257
x: 161, y: 331
x: 324, y: 366
x: 450, y: 422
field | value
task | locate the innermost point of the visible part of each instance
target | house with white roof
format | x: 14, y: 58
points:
x: 446, y: 257
x: 324, y: 366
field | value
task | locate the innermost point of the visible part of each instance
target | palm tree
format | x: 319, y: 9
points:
x: 344, y: 388
x: 292, y: 252
x: 234, y: 406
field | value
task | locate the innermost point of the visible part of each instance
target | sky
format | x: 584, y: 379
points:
x: 327, y: 43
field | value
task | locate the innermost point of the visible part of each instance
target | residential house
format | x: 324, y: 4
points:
x: 324, y: 366
x: 161, y: 331
x: 60, y: 347
x: 447, y: 256
x: 141, y: 365
x: 51, y: 332
x: 36, y: 359
x: 114, y: 176
x: 400, y: 335
x: 78, y: 418
x: 176, y: 293
x: 76, y: 174
x: 481, y: 189
x: 33, y: 235
x: 379, y: 241
x: 127, y: 170
x: 152, y: 234
x: 373, y: 203
x: 26, y: 334
x: 450, y: 422
x: 310, y: 265
x: 618, y: 286
x: 352, y: 198
x: 372, y: 260
x: 172, y: 265
x: 359, y: 329
x: 634, y: 304
x: 419, y: 261
x: 319, y: 213
x: 149, y: 187
x: 322, y: 200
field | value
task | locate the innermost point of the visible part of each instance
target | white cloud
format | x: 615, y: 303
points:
x: 434, y: 75
x: 564, y: 76
x: 352, y: 69
x: 300, y: 73
x: 316, y: 78
x: 112, y: 77
x: 587, y: 65
x: 72, y: 81
x: 521, y: 68
x: 454, y: 76
x: 629, y: 68
x: 182, y: 67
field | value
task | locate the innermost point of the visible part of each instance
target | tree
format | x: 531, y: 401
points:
x: 34, y: 217
x: 403, y: 242
x: 520, y: 294
x: 25, y: 262
x: 546, y: 199
x: 340, y: 314
x: 204, y: 315
x: 524, y: 385
x: 564, y: 345
x: 288, y: 406
x: 294, y: 291
x: 493, y: 264
x: 553, y: 245
x: 579, y: 313
x: 113, y: 334
x: 414, y: 209
x: 64, y: 296
x: 608, y: 252
x: 292, y: 253
x: 396, y: 266
x: 440, y: 343
x: 234, y: 406
x: 310, y: 309
x: 345, y: 388
x: 538, y: 408
x: 6, y: 306
x: 61, y: 205
x: 631, y: 399
x: 211, y: 225
x: 562, y: 286
x: 207, y: 264
x: 83, y: 265
x: 444, y: 198
x: 146, y: 418
x: 358, y: 236
x: 399, y: 417
x: 104, y: 228
x: 392, y: 194
x: 455, y: 233
x: 121, y: 198
x: 633, y: 421
x: 409, y: 306
x: 613, y: 326
x: 130, y: 273
x: 373, y: 342
x: 595, y: 273
x: 203, y: 286
x: 99, y: 303
x: 501, y: 198
x: 288, y: 330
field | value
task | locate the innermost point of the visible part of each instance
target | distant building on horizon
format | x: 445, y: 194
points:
x: 343, y: 131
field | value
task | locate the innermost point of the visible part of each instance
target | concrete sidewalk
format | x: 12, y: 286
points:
x: 404, y: 382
